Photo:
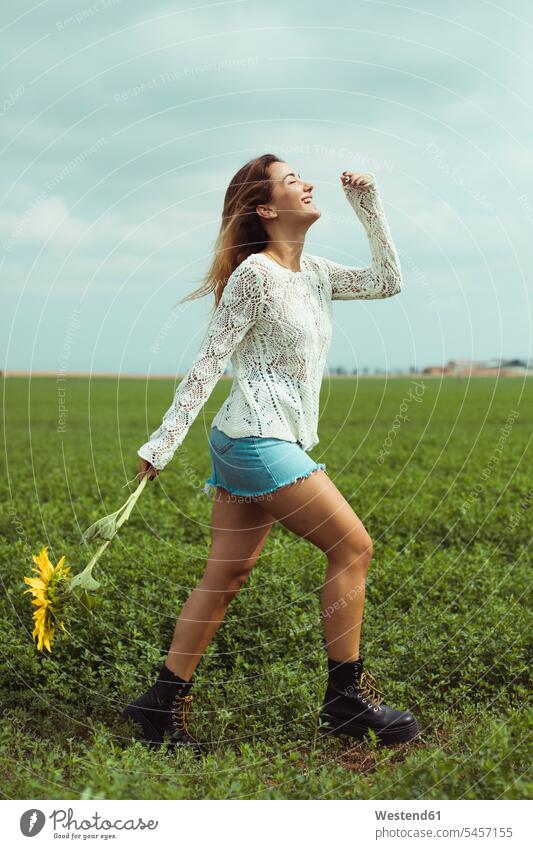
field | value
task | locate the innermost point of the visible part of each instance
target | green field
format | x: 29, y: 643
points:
x: 446, y: 629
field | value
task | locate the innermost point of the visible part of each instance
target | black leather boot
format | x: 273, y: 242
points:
x: 353, y: 704
x: 162, y: 713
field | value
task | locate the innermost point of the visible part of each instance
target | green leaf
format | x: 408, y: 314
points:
x: 104, y: 528
x: 84, y: 580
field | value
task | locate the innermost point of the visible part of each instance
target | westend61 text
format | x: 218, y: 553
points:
x: 407, y: 815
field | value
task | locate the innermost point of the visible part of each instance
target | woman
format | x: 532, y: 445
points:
x: 273, y: 319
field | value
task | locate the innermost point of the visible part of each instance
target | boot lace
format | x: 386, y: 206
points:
x: 368, y: 686
x: 180, y: 711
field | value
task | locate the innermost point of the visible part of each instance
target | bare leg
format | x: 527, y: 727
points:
x: 238, y: 533
x: 314, y: 508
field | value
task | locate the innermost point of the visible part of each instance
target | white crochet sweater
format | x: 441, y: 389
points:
x: 275, y: 325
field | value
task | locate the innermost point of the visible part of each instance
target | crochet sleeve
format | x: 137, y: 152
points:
x: 383, y: 278
x: 236, y: 313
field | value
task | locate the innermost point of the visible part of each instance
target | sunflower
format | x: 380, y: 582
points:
x: 51, y: 594
x: 55, y: 591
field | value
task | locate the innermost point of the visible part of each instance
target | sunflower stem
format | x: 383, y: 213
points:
x: 85, y: 579
x: 130, y: 503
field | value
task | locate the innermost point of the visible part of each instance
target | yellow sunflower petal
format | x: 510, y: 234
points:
x: 43, y: 553
x: 38, y: 633
x: 35, y: 558
x: 40, y: 617
x: 38, y: 598
x: 37, y: 583
x: 43, y: 562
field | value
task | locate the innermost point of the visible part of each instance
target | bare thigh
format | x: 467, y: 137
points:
x: 314, y: 508
x: 239, y: 530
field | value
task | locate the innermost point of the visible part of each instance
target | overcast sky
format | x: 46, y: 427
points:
x: 123, y: 122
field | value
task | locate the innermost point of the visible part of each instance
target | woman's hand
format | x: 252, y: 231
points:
x: 360, y: 181
x: 146, y: 468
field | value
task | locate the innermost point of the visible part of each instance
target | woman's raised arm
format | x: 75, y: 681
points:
x: 383, y: 278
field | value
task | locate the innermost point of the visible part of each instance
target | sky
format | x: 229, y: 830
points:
x: 123, y: 122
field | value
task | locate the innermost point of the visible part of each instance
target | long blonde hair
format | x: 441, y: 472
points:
x: 241, y: 232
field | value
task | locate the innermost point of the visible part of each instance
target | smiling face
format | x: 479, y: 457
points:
x: 292, y: 197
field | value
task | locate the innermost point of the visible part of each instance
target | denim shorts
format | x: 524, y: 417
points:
x: 255, y: 465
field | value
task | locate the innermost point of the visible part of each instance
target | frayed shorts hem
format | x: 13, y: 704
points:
x: 211, y: 486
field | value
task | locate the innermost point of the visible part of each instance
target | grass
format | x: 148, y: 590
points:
x: 440, y: 476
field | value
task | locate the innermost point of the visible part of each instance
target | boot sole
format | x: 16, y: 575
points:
x: 349, y: 727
